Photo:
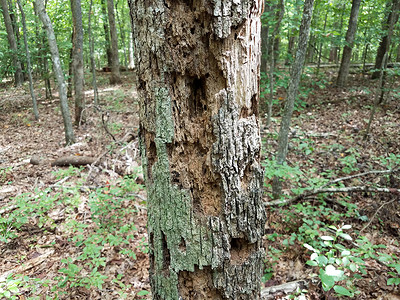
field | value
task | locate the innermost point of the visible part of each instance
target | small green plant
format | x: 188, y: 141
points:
x: 335, y: 261
x: 9, y: 287
x: 4, y: 173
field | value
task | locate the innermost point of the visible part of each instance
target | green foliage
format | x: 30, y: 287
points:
x: 9, y: 287
x: 334, y: 261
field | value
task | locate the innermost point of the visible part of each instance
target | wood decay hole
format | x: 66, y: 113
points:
x: 197, y: 98
x: 240, y: 250
x: 165, y: 253
x: 182, y: 245
x: 246, y: 112
x: 197, y: 285
x: 151, y: 157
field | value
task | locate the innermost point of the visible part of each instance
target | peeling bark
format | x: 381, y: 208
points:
x: 198, y: 71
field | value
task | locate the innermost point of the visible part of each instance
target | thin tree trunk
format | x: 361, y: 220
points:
x: 121, y: 26
x: 388, y: 25
x: 348, y: 48
x: 71, y: 67
x: 115, y: 74
x: 78, y: 62
x: 321, y: 44
x: 200, y: 142
x: 378, y: 95
x: 92, y: 61
x: 69, y: 133
x: 106, y: 32
x: 131, y: 56
x: 295, y: 75
x: 28, y: 60
x: 18, y: 76
x: 274, y: 52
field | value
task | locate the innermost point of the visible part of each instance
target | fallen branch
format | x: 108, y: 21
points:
x: 360, y: 175
x: 372, y: 218
x: 349, y: 189
x: 27, y: 265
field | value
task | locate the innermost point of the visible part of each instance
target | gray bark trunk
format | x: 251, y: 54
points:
x: 92, y: 61
x: 69, y: 133
x: 115, y: 75
x: 78, y: 62
x: 295, y: 75
x: 198, y: 71
x: 28, y: 59
x: 348, y: 48
x: 18, y: 76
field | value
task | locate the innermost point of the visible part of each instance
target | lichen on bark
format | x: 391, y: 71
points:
x: 198, y: 74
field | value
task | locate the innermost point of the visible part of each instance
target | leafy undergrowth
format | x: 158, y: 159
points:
x: 68, y: 232
x: 346, y: 244
x: 80, y: 233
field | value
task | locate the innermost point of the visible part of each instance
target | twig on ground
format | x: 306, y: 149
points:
x: 372, y: 218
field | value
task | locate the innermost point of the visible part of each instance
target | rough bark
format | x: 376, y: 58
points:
x: 69, y: 133
x: 348, y: 48
x: 18, y: 76
x: 28, y: 60
x: 115, y: 75
x: 198, y: 71
x: 79, y: 92
x: 387, y: 27
x: 295, y: 74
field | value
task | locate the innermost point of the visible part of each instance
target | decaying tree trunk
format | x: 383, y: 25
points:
x: 348, y: 48
x: 198, y: 72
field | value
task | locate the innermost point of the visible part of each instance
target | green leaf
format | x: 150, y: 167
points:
x: 143, y: 293
x: 342, y: 291
x: 312, y: 263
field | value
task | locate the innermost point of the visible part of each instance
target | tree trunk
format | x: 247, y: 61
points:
x: 71, y: 67
x: 115, y: 75
x: 69, y: 133
x: 121, y: 25
x: 198, y: 70
x: 18, y: 76
x: 92, y: 61
x: 131, y: 56
x: 78, y: 62
x: 28, y: 59
x: 348, y: 48
x: 321, y: 45
x: 106, y: 32
x: 384, y: 45
x: 295, y: 74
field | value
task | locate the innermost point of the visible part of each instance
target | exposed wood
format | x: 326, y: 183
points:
x: 286, y: 288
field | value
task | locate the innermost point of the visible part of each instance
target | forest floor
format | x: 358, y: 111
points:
x: 80, y: 232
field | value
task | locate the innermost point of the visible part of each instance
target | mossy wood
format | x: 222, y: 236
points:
x: 198, y: 79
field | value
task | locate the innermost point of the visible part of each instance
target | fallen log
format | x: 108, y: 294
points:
x: 73, y: 161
